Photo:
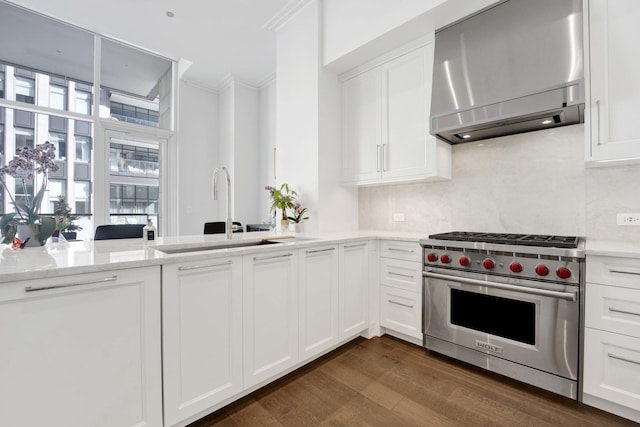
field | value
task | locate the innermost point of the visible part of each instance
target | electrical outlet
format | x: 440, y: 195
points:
x: 629, y: 219
x: 398, y: 217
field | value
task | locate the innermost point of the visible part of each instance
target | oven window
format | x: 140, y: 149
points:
x: 503, y: 317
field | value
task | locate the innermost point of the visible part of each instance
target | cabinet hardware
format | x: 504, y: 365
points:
x: 569, y: 296
x: 93, y: 282
x: 255, y: 258
x: 399, y: 303
x: 274, y: 162
x: 391, y: 273
x: 617, y: 310
x: 635, y: 273
x: 196, y: 267
x: 378, y: 158
x: 384, y: 157
x: 624, y: 359
x: 320, y: 250
x: 401, y: 250
x: 354, y: 246
x: 598, y: 119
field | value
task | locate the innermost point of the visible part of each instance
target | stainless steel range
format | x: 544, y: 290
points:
x: 509, y: 303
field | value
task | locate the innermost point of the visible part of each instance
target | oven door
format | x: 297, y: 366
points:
x: 531, y: 323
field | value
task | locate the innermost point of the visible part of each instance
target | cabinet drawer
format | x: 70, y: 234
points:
x: 613, y: 309
x: 401, y: 311
x: 401, y: 274
x: 612, y: 367
x: 614, y: 271
x: 398, y: 249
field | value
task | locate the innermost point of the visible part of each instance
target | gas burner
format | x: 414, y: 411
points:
x: 511, y: 239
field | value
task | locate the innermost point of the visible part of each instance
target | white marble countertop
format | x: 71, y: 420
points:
x: 59, y: 259
x: 613, y: 248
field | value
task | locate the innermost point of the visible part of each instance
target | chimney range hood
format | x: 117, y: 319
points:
x: 515, y: 67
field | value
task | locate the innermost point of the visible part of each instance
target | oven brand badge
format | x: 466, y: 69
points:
x: 487, y: 346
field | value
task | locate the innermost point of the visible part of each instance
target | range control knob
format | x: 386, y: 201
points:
x: 445, y: 259
x: 431, y: 257
x: 542, y: 270
x: 464, y: 261
x: 563, y: 272
x: 515, y: 267
x: 488, y: 264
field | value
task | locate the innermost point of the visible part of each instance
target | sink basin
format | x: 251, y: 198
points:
x: 175, y: 249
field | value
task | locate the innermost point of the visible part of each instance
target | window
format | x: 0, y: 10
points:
x: 25, y: 90
x: 59, y: 140
x: 58, y: 97
x: 132, y: 114
x: 83, y: 102
x: 24, y: 138
x: 1, y: 84
x: 82, y: 194
x: 23, y: 190
x: 1, y: 140
x: 83, y: 149
x: 57, y: 187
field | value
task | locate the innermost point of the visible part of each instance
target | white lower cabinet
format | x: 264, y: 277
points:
x: 82, y: 350
x: 202, y: 335
x: 354, y: 289
x: 270, y: 314
x: 400, y: 311
x: 318, y: 287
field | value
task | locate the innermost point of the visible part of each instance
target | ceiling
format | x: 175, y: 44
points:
x: 219, y: 37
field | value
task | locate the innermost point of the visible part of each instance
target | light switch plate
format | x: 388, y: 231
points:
x: 629, y: 219
x: 397, y: 217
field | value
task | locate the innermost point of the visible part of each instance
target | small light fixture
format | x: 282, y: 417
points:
x: 170, y: 14
x: 467, y: 136
x: 547, y: 122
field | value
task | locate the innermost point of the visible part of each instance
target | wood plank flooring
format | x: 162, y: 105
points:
x: 388, y: 382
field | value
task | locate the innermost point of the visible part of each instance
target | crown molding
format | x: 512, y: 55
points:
x: 230, y: 79
x: 199, y: 86
x: 267, y: 81
x: 286, y: 14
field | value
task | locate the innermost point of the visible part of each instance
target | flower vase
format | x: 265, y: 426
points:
x: 298, y: 227
x: 25, y: 231
x: 284, y: 224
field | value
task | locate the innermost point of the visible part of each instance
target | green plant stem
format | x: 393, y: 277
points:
x: 4, y: 184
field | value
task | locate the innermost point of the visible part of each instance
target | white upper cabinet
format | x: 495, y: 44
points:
x: 385, y: 121
x: 614, y: 105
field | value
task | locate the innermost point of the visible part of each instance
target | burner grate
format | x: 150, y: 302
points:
x: 540, y: 240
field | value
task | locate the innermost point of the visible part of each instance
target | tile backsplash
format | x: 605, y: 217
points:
x: 529, y: 183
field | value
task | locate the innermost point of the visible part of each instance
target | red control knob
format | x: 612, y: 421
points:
x: 563, y: 272
x: 431, y: 257
x: 542, y: 270
x: 445, y: 259
x: 488, y: 264
x: 464, y: 261
x: 515, y: 267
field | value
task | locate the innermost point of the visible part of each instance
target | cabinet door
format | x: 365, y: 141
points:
x: 402, y: 274
x: 270, y: 314
x: 407, y: 147
x: 318, y: 285
x: 202, y: 335
x: 612, y: 367
x: 82, y: 350
x: 361, y: 141
x: 401, y: 311
x: 354, y: 289
x: 615, y: 88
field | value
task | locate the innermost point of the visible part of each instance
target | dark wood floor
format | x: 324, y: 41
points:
x: 388, y: 382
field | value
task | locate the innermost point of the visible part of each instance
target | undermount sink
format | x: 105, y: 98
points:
x: 180, y: 249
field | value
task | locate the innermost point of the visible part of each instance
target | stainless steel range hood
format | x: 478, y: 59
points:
x: 515, y: 67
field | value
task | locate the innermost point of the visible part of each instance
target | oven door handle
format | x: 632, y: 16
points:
x: 569, y: 296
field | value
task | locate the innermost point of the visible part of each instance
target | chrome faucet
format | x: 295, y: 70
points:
x: 229, y: 223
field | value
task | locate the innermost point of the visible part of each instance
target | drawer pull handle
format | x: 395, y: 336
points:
x: 624, y: 359
x: 255, y: 258
x: 355, y: 246
x: 399, y: 303
x: 197, y: 267
x: 634, y: 273
x: 408, y: 251
x: 93, y: 282
x: 320, y: 250
x: 617, y: 310
x: 409, y: 276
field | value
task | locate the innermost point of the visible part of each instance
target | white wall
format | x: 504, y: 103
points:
x: 197, y: 136
x: 267, y: 145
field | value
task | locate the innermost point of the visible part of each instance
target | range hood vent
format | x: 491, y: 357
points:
x: 513, y: 68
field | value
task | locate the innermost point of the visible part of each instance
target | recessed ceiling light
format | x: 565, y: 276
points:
x: 466, y: 136
x: 170, y: 14
x: 547, y: 122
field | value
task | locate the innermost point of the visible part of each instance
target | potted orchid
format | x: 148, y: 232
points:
x: 282, y: 199
x: 26, y: 222
x: 298, y: 216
